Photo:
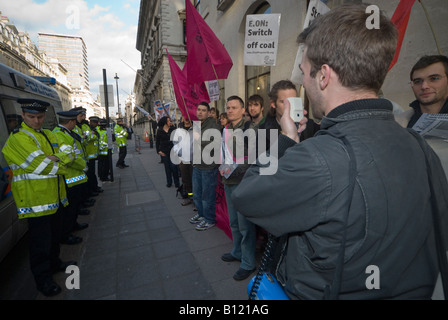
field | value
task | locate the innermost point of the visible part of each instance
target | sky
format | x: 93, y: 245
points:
x: 108, y: 28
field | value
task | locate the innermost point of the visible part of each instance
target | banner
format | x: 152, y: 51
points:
x: 145, y: 113
x: 209, y: 59
x: 188, y: 96
x: 213, y: 90
x: 159, y: 111
x: 400, y: 19
x: 261, y: 41
x: 315, y: 9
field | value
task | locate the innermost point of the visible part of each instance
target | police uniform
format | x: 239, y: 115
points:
x: 103, y: 159
x: 39, y: 192
x: 92, y: 149
x: 82, y: 129
x: 121, y: 135
x: 75, y: 179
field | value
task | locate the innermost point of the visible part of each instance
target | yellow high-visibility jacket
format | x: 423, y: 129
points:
x: 120, y: 135
x: 76, y: 171
x: 37, y: 185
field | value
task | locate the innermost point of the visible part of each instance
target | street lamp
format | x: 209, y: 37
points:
x: 118, y: 98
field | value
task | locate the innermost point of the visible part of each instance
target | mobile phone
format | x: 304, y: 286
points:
x: 296, y: 111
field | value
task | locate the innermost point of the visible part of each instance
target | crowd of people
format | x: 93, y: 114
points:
x: 350, y: 189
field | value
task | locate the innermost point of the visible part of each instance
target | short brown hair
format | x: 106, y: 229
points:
x: 426, y: 61
x: 360, y: 56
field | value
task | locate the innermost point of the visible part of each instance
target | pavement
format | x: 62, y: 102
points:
x: 139, y: 246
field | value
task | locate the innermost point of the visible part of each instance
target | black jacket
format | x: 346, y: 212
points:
x: 390, y: 222
x: 163, y: 141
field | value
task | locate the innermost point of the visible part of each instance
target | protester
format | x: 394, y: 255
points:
x: 223, y: 120
x: 429, y: 82
x: 205, y: 175
x: 343, y: 190
x: 163, y: 148
x: 255, y: 107
x: 38, y: 164
x: 186, y: 168
x: 279, y: 93
x: 232, y: 171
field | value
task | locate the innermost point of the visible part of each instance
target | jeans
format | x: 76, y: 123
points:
x: 204, y: 192
x: 243, y: 233
x: 171, y: 171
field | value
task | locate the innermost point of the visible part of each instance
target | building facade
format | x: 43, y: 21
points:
x: 162, y: 27
x: 71, y: 51
x: 18, y: 52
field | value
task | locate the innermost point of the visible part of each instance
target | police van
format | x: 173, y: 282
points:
x: 13, y: 86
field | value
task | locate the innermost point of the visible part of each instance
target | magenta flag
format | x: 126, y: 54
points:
x: 400, y: 19
x: 188, y: 96
x: 209, y: 59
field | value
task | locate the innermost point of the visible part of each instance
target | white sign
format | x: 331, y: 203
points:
x: 315, y: 9
x: 213, y: 90
x: 110, y: 96
x: 261, y: 41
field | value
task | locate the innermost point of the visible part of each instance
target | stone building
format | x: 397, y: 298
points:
x: 18, y: 52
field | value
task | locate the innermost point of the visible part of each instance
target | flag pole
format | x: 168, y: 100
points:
x: 432, y: 28
x: 186, y: 108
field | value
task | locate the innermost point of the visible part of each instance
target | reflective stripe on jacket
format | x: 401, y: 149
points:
x: 120, y: 135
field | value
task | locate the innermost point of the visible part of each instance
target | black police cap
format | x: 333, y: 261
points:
x: 81, y: 110
x: 94, y: 119
x: 33, y: 105
x: 69, y: 115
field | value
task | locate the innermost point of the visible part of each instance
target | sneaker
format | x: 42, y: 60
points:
x: 204, y: 225
x: 196, y: 219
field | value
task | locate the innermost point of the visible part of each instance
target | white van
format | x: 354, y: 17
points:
x: 13, y: 86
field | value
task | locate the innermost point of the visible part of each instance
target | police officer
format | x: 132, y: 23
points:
x: 38, y: 164
x: 92, y: 149
x: 121, y: 138
x: 75, y: 179
x: 103, y: 159
x: 82, y: 129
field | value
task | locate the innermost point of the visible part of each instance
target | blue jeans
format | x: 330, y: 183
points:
x: 243, y: 233
x: 204, y: 192
x: 171, y: 171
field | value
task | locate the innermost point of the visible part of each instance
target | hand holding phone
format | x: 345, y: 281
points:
x: 296, y: 110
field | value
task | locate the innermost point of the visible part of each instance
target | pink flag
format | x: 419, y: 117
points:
x: 400, y: 19
x: 209, y: 59
x: 187, y: 96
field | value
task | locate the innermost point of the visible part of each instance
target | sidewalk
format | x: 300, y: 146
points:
x: 140, y: 244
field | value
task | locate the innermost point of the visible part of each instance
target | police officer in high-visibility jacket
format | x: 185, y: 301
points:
x: 75, y: 179
x: 38, y: 164
x: 92, y: 155
x: 121, y: 135
x: 103, y: 159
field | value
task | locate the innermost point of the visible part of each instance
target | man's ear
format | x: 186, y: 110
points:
x: 324, y: 76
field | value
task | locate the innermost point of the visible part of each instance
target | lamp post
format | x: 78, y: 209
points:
x: 118, y: 97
